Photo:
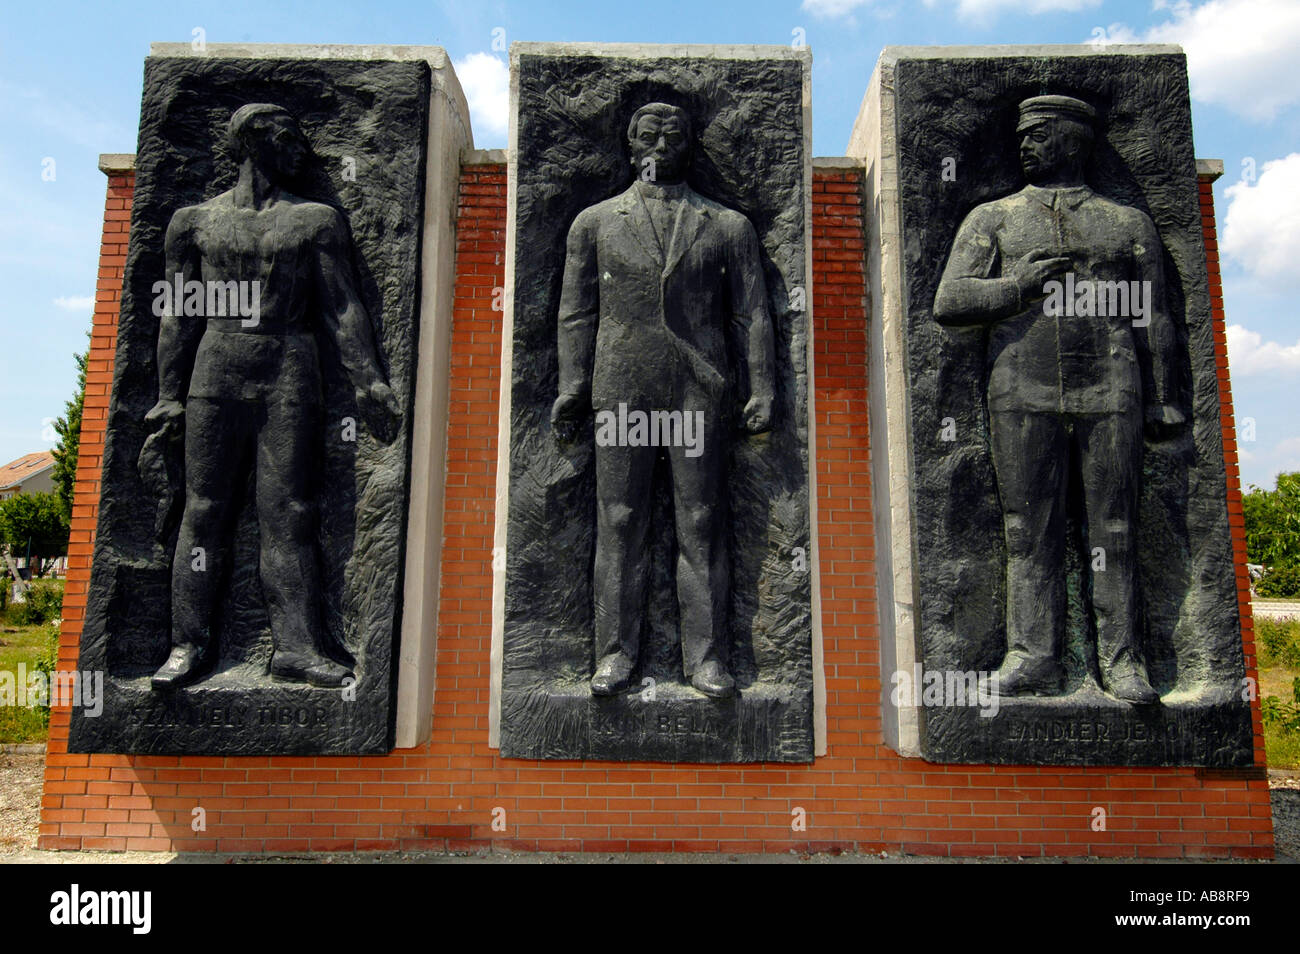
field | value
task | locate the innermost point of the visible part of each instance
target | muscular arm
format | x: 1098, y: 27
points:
x: 750, y: 314
x: 178, y: 336
x: 347, y: 322
x: 342, y: 312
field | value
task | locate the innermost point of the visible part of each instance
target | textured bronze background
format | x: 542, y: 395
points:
x: 573, y: 113
x: 362, y: 117
x: 965, y: 109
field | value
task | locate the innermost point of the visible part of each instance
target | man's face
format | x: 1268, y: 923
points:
x: 663, y: 140
x: 276, y: 145
x: 1044, y: 149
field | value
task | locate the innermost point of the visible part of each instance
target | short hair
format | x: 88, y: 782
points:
x: 663, y: 111
x: 236, y: 135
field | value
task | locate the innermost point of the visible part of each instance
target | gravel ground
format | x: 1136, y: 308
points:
x: 1286, y: 815
x: 20, y: 801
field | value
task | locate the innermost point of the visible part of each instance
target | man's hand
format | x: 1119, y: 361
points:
x: 378, y: 405
x: 567, y: 411
x: 758, y: 413
x: 165, y: 414
x: 1033, y: 271
x: 1163, y: 421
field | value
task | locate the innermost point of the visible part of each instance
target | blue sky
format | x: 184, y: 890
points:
x: 70, y: 78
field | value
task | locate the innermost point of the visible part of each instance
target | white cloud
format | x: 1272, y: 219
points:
x: 986, y: 10
x: 1288, y: 447
x: 1249, y: 353
x: 67, y: 120
x: 1115, y: 33
x: 1261, y: 229
x: 1285, y: 459
x: 832, y: 9
x: 486, y: 82
x: 75, y: 302
x: 1240, y: 53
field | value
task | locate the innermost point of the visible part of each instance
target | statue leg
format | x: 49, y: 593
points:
x: 1111, y: 457
x: 699, y: 512
x: 217, y: 434
x: 287, y: 462
x: 1031, y: 457
x: 624, y: 478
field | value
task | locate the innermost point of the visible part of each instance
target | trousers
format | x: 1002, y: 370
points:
x: 1032, y: 454
x: 224, y: 437
x: 624, y: 494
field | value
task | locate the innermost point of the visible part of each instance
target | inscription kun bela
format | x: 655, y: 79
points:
x: 666, y: 723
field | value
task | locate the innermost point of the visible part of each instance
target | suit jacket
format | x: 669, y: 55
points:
x: 649, y: 326
x: 1064, y: 363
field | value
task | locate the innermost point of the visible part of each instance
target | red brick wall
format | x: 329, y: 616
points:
x: 444, y: 794
x: 1236, y: 518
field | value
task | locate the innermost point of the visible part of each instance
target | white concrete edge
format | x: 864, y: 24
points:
x: 873, y: 140
x: 902, y: 516
x: 892, y: 54
x: 814, y: 549
x: 837, y: 162
x: 717, y: 51
x: 116, y: 163
x: 1204, y: 167
x: 436, y: 56
x: 447, y: 136
x: 483, y: 157
x: 496, y: 659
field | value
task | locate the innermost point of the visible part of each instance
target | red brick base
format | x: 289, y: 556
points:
x: 449, y: 792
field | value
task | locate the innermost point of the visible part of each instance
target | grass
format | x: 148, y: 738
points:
x: 34, y: 646
x: 1277, y: 643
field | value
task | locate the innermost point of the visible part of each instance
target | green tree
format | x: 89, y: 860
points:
x: 34, y: 523
x: 68, y: 427
x: 1273, y: 523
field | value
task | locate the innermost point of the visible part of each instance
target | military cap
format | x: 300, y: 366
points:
x: 1038, y: 108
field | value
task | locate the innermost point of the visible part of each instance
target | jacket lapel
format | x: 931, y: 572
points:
x: 687, y: 223
x: 636, y: 220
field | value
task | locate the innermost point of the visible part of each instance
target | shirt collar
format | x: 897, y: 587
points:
x: 1071, y: 197
x: 655, y: 190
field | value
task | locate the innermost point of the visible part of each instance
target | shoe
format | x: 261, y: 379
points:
x: 184, y: 666
x: 311, y: 668
x: 712, y: 679
x: 613, y: 675
x: 1129, y: 685
x: 1020, y: 676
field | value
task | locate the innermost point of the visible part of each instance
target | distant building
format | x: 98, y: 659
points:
x: 29, y: 474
